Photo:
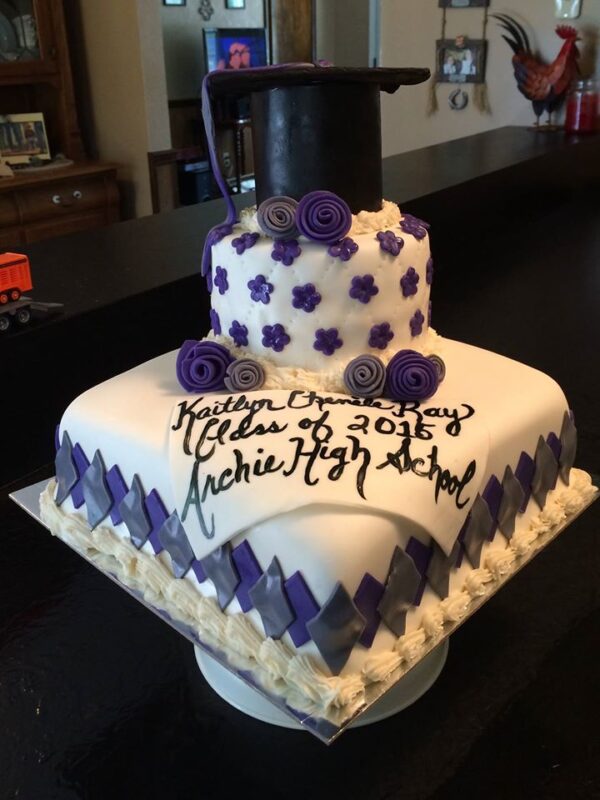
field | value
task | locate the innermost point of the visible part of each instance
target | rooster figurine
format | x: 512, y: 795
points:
x: 544, y: 84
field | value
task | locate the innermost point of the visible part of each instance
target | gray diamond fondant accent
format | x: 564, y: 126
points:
x: 219, y: 567
x: 336, y: 628
x: 133, y: 511
x: 400, y: 591
x: 568, y: 441
x: 478, y: 530
x: 512, y: 498
x: 546, y: 469
x: 270, y: 600
x: 439, y: 569
x: 66, y: 471
x: 97, y: 496
x: 174, y: 539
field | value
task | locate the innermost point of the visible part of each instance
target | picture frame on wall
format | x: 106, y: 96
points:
x: 23, y: 138
x: 463, y: 3
x: 235, y: 4
x: 460, y: 60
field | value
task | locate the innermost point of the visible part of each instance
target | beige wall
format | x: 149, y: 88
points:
x: 128, y: 90
x: 409, y: 29
x: 182, y: 39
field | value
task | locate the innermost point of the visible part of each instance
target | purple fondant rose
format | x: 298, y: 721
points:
x: 201, y: 366
x: 439, y: 365
x: 364, y: 376
x: 244, y: 375
x: 277, y: 217
x: 323, y: 217
x: 411, y: 376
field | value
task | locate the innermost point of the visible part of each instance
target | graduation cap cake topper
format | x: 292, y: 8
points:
x: 314, y: 128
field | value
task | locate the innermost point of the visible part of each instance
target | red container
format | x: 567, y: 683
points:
x: 15, y: 277
x: 582, y: 108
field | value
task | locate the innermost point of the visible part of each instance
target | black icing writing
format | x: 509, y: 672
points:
x: 443, y: 479
x: 413, y: 409
x: 388, y: 427
x: 302, y: 400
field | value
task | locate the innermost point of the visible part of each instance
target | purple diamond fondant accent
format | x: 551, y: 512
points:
x: 389, y: 242
x: 260, y: 289
x: 512, y: 498
x: 157, y: 514
x: 367, y: 598
x: 545, y: 472
x: 134, y: 513
x: 409, y: 282
x: 524, y: 474
x: 244, y: 242
x: 554, y: 444
x: 286, y: 251
x: 198, y: 571
x: 416, y: 323
x: 219, y: 567
x: 118, y: 490
x: 478, y: 530
x: 414, y: 226
x: 380, y: 335
x: 270, y: 600
x: 400, y: 591
x: 66, y: 471
x: 305, y: 297
x: 439, y: 568
x: 275, y: 337
x: 336, y: 628
x: 97, y: 496
x: 363, y: 288
x: 421, y: 555
x: 460, y: 541
x: 304, y: 606
x: 249, y: 571
x: 81, y: 464
x: 215, y: 321
x: 327, y: 341
x: 220, y: 280
x: 492, y: 494
x: 174, y: 539
x: 568, y: 446
x: 239, y: 334
x: 429, y: 271
x: 343, y: 250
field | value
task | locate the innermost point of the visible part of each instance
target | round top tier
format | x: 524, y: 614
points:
x: 316, y: 128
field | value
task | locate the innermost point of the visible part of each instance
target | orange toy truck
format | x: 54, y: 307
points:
x: 15, y: 277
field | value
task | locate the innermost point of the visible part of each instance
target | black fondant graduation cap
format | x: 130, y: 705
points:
x: 316, y: 127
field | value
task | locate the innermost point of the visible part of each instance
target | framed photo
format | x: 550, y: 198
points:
x: 23, y: 137
x: 174, y: 2
x: 229, y: 4
x: 461, y: 60
x: 463, y: 3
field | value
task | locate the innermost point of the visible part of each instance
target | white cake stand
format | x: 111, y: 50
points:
x: 243, y: 697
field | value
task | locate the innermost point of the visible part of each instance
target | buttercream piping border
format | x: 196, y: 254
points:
x: 295, y: 677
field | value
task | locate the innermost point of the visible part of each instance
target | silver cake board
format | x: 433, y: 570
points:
x: 224, y: 673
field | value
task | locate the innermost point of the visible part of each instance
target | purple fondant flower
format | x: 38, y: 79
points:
x: 364, y: 376
x: 209, y: 279
x: 201, y: 366
x: 277, y: 217
x: 244, y: 375
x: 429, y: 271
x: 275, y: 337
x: 213, y: 237
x: 438, y: 363
x: 286, y: 251
x: 389, y: 242
x: 221, y: 281
x: 416, y: 323
x: 215, y: 321
x: 323, y: 217
x: 244, y: 242
x: 414, y: 226
x: 305, y: 297
x: 239, y: 333
x: 380, y: 335
x: 343, y: 250
x: 411, y: 376
x: 260, y: 289
x: 409, y: 281
x: 363, y: 288
x: 327, y: 341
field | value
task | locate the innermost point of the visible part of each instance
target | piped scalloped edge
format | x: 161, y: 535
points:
x: 296, y: 676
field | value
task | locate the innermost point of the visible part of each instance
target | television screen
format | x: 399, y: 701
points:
x: 234, y: 48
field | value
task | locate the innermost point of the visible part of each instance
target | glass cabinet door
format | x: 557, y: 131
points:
x: 19, y: 39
